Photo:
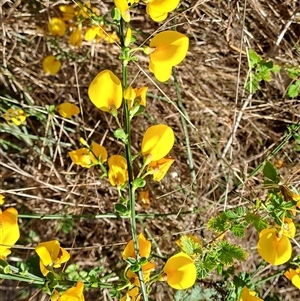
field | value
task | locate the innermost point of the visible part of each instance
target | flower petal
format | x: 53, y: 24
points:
x: 170, y: 48
x: 105, y: 91
x: 273, y: 249
x: 144, y: 246
x: 68, y: 110
x: 181, y: 271
x: 157, y: 142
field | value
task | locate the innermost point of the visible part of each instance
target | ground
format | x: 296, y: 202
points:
x: 230, y: 132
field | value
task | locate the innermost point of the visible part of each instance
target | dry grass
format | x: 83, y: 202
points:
x: 39, y: 177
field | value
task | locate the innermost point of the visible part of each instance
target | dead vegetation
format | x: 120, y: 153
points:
x: 230, y: 132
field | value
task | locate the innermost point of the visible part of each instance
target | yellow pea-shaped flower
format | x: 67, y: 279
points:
x: 180, y: 271
x: 51, y: 65
x: 9, y: 231
x: 144, y: 246
x: 158, y: 9
x: 274, y: 248
x: 57, y: 27
x: 105, y: 91
x: 157, y: 142
x: 68, y: 110
x: 294, y: 276
x: 160, y: 168
x: 73, y: 293
x: 122, y: 5
x: 117, y: 170
x: 76, y: 38
x: 248, y: 295
x: 169, y: 49
x: 51, y: 255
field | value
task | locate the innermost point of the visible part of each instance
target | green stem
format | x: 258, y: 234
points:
x: 131, y: 191
x: 98, y: 216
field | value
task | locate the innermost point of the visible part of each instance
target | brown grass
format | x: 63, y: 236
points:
x: 232, y: 132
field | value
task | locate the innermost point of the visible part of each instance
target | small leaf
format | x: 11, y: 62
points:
x: 138, y: 183
x: 257, y: 221
x: 294, y: 89
x: 116, y: 14
x: 270, y: 172
x: 218, y: 224
x: 228, y: 253
x: 254, y: 58
x: 120, y: 208
x: 238, y: 230
x: 120, y: 134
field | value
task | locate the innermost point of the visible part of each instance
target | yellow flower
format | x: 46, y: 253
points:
x: 51, y: 65
x: 87, y: 11
x: 91, y: 33
x: 14, y: 116
x: 128, y: 37
x: 76, y: 37
x: 135, y: 96
x: 160, y: 168
x: 294, y: 276
x: 144, y: 247
x: 57, y: 27
x: 73, y: 293
x: 111, y: 37
x: 289, y: 228
x: 2, y: 197
x: 86, y: 158
x: 146, y: 269
x: 132, y: 295
x: 274, y: 248
x: 248, y: 295
x: 122, y: 5
x: 158, y: 9
x: 81, y: 157
x: 180, y: 271
x: 144, y: 198
x: 51, y: 255
x: 170, y: 48
x: 117, y: 170
x: 99, y: 151
x: 68, y: 110
x: 68, y: 12
x: 158, y: 140
x: 105, y: 91
x: 9, y: 231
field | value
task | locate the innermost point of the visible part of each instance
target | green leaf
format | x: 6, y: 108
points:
x: 276, y: 68
x: 254, y: 58
x: 257, y: 221
x: 238, y: 230
x: 228, y: 252
x: 293, y: 72
x: 120, y: 134
x: 252, y: 85
x: 240, y: 210
x: 121, y: 209
x: 189, y: 246
x: 116, y: 14
x: 138, y: 183
x: 218, y: 224
x: 270, y: 172
x: 132, y: 261
x: 230, y: 214
x: 294, y: 89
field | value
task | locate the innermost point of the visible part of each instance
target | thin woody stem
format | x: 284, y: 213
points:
x: 128, y: 153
